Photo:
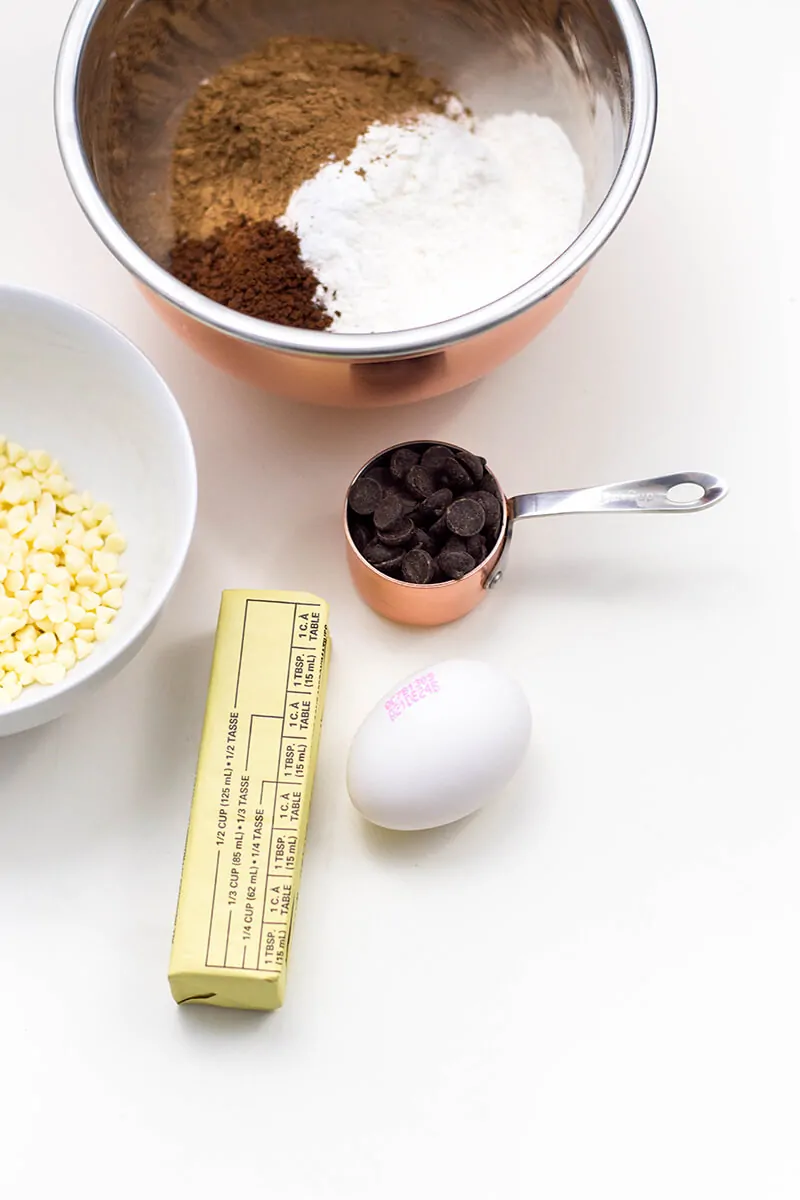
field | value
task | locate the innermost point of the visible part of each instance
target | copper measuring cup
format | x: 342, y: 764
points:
x: 440, y: 603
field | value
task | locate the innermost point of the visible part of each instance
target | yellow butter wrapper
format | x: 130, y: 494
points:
x: 247, y: 828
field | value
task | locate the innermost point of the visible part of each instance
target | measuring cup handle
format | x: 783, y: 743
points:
x: 637, y: 495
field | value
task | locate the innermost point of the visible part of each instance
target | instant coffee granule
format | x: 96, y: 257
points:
x: 255, y: 268
x: 263, y: 125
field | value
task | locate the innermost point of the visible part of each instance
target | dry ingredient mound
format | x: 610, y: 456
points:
x: 255, y: 268
x: 265, y: 124
x: 437, y: 217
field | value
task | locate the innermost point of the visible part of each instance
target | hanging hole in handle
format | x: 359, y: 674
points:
x: 686, y: 493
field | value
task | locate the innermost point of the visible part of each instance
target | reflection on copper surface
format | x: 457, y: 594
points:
x: 343, y: 384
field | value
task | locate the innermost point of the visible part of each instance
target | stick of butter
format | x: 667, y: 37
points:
x: 244, y: 848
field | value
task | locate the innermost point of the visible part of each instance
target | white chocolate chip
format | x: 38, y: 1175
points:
x: 67, y: 655
x: 9, y: 626
x: 16, y: 520
x: 11, y: 686
x: 75, y: 559
x: 37, y: 610
x: 60, y: 580
x: 50, y: 673
x: 103, y: 561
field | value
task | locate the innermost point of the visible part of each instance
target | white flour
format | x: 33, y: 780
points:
x: 433, y: 219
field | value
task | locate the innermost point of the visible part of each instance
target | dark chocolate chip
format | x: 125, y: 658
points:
x: 420, y: 482
x: 473, y: 464
x: 381, y: 476
x: 439, y: 530
x: 466, y: 517
x: 378, y: 555
x: 476, y: 546
x: 365, y: 496
x: 360, y: 535
x: 434, y: 505
x: 418, y: 567
x: 388, y: 513
x: 402, y: 461
x: 456, y: 476
x: 399, y: 534
x: 410, y: 505
x: 382, y: 556
x: 423, y: 541
x: 435, y: 457
x: 490, y: 484
x: 455, y: 563
x: 491, y: 506
x: 439, y: 511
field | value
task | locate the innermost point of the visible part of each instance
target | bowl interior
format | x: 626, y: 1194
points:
x: 74, y: 387
x: 143, y: 60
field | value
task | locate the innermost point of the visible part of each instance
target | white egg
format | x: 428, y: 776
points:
x: 438, y: 746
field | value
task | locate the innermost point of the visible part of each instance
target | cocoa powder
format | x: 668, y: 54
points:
x: 263, y: 125
x: 255, y: 268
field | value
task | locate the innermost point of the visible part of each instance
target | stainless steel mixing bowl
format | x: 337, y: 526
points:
x: 126, y: 70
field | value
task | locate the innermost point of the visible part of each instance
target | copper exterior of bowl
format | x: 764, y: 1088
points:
x: 338, y: 383
x: 414, y: 603
x: 125, y: 72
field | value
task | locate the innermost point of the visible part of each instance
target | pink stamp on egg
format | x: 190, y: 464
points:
x: 418, y: 689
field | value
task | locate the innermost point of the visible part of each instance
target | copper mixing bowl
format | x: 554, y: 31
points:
x: 126, y: 70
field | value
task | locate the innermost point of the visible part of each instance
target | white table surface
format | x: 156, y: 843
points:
x: 591, y: 989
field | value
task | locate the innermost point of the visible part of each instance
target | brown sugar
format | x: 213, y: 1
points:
x: 255, y: 268
x: 265, y: 124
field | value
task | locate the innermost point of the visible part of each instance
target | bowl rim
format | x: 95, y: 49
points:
x: 359, y: 346
x: 118, y: 647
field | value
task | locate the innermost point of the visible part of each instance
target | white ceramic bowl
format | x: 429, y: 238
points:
x: 75, y: 387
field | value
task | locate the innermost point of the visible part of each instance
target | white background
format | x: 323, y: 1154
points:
x: 591, y: 989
